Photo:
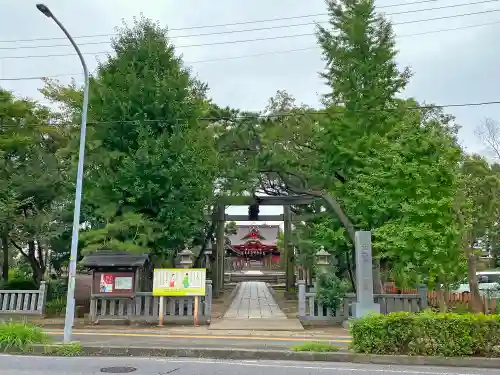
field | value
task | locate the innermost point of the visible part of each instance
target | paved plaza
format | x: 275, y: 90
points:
x: 254, y: 307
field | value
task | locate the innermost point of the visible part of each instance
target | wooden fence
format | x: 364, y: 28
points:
x: 144, y: 307
x: 23, y: 302
x: 453, y: 301
x: 310, y: 309
x: 461, y: 300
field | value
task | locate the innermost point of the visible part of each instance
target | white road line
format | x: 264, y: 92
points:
x: 321, y: 368
x: 277, y: 364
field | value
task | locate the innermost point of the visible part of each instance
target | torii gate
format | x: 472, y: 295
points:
x: 287, y: 217
x: 362, y: 244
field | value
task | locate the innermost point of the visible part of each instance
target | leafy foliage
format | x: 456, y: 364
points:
x: 55, y: 307
x: 331, y: 290
x: 71, y: 349
x: 481, y: 186
x: 33, y: 184
x: 379, y: 163
x: 159, y: 152
x: 427, y: 333
x: 150, y: 173
x: 19, y: 336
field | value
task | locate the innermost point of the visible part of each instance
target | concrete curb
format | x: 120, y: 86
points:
x: 277, y: 355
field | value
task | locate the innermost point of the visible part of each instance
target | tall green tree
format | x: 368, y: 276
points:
x: 388, y: 154
x: 479, y: 212
x: 33, y: 180
x: 151, y: 164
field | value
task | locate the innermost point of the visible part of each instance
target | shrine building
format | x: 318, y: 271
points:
x: 255, y: 244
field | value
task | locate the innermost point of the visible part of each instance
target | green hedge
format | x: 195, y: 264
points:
x: 19, y: 284
x: 428, y: 333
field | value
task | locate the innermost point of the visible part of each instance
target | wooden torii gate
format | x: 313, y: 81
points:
x: 288, y: 217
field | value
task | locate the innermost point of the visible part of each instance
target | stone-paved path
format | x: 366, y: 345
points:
x: 254, y: 301
x: 255, y: 308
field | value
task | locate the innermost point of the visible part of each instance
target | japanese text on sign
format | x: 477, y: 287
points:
x: 179, y: 282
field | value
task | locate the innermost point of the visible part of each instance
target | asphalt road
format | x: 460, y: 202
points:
x: 30, y: 365
x: 191, y: 341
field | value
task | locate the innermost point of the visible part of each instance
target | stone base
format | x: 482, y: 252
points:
x: 256, y: 324
x: 359, y: 310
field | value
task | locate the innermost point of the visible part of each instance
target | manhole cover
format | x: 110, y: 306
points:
x: 118, y: 370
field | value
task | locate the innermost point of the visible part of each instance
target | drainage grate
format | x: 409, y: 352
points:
x: 118, y: 370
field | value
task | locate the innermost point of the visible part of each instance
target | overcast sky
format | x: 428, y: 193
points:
x: 457, y: 66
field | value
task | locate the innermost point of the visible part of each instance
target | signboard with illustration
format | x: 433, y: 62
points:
x: 121, y: 283
x: 179, y: 282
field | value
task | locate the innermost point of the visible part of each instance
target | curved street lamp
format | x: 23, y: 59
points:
x: 70, y: 302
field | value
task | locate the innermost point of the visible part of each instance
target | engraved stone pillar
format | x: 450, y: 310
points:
x: 364, y: 276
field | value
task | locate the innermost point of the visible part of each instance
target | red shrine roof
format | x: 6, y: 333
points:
x: 265, y: 234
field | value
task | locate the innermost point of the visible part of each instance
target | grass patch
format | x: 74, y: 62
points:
x: 18, y: 336
x: 315, y: 347
x: 72, y: 349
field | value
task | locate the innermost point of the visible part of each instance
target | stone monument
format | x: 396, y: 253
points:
x: 364, y: 275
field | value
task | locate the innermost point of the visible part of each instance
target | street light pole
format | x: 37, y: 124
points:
x: 70, y: 302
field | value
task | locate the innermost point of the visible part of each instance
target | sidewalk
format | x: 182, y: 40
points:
x: 202, y: 337
x: 55, y: 324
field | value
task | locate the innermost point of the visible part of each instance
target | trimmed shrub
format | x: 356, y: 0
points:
x: 427, y: 333
x: 15, y: 336
x: 57, y: 289
x: 56, y: 307
x: 331, y: 290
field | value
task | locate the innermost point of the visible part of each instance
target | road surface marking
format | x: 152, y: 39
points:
x: 354, y: 369
x: 339, y: 339
x: 279, y: 364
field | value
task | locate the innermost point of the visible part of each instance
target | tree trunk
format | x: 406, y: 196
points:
x: 5, y: 252
x: 41, y: 258
x: 475, y: 302
x: 337, y: 209
x: 350, y: 271
x: 35, y: 265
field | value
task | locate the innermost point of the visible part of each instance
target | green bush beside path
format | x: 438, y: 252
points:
x: 427, y: 334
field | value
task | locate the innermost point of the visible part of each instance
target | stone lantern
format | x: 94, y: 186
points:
x: 322, y: 260
x: 186, y: 258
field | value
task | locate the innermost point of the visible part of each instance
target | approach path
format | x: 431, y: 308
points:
x: 254, y: 301
x: 254, y: 307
